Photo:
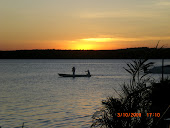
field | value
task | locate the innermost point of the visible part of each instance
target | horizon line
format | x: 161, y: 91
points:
x: 77, y: 49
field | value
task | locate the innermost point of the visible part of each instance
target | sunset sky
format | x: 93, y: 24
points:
x: 83, y: 24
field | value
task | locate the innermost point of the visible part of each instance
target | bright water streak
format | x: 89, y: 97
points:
x: 32, y: 92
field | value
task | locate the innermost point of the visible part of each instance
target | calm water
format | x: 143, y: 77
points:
x: 32, y: 92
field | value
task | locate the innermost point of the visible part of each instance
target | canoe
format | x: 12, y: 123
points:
x: 71, y: 75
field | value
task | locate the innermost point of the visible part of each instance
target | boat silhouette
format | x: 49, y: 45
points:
x: 71, y: 75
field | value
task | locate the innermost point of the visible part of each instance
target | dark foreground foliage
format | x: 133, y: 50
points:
x: 139, y: 96
x: 135, y: 98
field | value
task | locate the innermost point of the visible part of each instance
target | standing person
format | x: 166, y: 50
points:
x: 73, y: 70
x: 88, y: 73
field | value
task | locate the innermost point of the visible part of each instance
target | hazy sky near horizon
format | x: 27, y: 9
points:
x: 83, y: 24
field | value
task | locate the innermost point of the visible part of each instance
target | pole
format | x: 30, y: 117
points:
x: 162, y: 70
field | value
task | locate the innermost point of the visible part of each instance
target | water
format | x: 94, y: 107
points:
x: 32, y: 92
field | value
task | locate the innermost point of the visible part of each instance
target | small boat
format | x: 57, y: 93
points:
x: 71, y: 75
x: 158, y: 70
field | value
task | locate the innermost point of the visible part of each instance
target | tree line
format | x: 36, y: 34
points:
x: 130, y: 53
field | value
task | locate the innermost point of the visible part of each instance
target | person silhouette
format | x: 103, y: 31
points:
x: 88, y: 72
x: 73, y: 70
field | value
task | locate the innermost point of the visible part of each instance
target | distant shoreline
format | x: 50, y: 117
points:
x: 130, y: 53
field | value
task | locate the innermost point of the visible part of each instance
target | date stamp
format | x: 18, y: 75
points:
x: 128, y: 114
x: 149, y: 115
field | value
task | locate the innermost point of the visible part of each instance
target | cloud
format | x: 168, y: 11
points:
x: 98, y: 39
x: 113, y: 39
x: 117, y: 14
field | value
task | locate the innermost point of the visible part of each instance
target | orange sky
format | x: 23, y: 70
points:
x: 89, y: 24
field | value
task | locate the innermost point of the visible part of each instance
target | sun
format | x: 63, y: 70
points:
x: 83, y: 46
x: 91, y: 43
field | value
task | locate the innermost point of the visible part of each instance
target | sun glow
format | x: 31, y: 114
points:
x: 107, y: 43
x: 90, y: 43
x: 84, y: 47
